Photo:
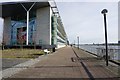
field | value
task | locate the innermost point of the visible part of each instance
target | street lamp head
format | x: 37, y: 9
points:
x: 104, y: 11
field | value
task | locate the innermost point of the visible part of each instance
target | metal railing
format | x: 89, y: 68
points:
x: 113, y: 51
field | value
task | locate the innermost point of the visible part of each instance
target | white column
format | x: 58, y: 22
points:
x: 27, y: 39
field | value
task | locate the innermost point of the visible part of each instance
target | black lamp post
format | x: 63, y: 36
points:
x: 104, y: 11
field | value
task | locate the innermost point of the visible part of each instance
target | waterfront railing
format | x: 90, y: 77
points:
x: 113, y: 51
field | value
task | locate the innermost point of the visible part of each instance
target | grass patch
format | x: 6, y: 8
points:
x: 118, y: 61
x: 21, y: 53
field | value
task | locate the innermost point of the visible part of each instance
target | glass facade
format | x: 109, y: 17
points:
x: 54, y: 30
x: 19, y: 30
x: 57, y: 35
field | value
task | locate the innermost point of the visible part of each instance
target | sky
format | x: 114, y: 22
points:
x: 83, y: 18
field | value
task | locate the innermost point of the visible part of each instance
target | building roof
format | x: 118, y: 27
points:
x: 14, y: 8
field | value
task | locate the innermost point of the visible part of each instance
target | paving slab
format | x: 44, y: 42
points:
x: 60, y: 65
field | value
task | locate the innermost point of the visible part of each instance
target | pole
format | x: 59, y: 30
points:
x: 104, y: 11
x: 27, y: 36
x: 106, y: 43
x: 78, y: 42
x: 74, y: 43
x: 27, y: 27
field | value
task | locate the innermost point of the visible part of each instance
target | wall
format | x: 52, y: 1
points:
x: 7, y: 31
x: 43, y: 29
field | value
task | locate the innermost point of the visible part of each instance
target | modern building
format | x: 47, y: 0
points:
x: 32, y: 23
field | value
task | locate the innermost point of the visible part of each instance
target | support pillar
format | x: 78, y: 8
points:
x: 27, y: 39
x: 27, y: 35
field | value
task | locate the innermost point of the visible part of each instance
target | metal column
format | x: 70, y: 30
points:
x: 104, y: 11
x: 27, y: 39
x: 78, y: 41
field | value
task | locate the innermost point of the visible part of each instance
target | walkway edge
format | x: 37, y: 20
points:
x: 15, y: 69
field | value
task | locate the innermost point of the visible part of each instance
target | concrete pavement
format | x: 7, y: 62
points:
x: 67, y: 62
x: 8, y: 62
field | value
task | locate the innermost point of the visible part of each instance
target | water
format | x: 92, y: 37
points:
x: 113, y: 50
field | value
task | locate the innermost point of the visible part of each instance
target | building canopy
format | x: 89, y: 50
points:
x: 10, y: 9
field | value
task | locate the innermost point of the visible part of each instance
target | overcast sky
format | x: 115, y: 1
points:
x: 84, y: 19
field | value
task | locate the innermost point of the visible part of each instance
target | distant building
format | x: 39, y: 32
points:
x: 44, y: 24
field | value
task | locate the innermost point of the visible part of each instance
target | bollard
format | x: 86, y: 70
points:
x: 53, y: 49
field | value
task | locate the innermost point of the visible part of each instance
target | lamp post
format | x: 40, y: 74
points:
x: 104, y: 11
x: 78, y: 41
x: 74, y: 43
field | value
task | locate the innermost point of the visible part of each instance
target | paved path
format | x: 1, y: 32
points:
x: 8, y: 62
x: 67, y: 63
